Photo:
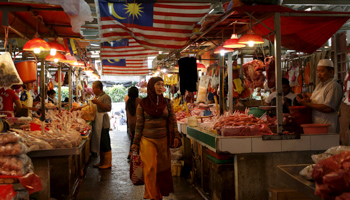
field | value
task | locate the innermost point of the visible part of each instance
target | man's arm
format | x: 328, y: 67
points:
x: 319, y: 107
x: 101, y: 105
x: 18, y: 105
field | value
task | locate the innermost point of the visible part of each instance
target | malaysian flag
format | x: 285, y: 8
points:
x: 158, y: 26
x: 124, y: 49
x: 125, y: 67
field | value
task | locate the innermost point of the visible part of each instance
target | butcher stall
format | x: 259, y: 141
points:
x: 231, y: 151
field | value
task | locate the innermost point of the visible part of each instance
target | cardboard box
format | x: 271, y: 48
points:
x: 286, y: 194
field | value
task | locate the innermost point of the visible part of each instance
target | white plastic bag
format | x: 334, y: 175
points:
x: 8, y: 73
x: 307, y: 172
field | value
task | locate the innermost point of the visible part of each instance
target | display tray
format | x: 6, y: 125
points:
x: 57, y: 152
x: 293, y: 179
x: 267, y: 107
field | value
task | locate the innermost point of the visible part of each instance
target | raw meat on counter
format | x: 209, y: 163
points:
x: 332, y: 175
x: 241, y: 124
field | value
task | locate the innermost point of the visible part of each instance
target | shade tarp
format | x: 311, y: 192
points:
x: 300, y: 33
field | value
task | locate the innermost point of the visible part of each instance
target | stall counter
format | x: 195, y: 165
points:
x: 60, y: 169
x: 254, y: 161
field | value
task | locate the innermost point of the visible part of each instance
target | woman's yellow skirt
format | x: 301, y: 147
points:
x: 156, y: 159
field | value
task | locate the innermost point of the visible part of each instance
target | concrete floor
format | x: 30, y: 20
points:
x: 114, y: 184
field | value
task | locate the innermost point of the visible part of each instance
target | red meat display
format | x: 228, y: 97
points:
x: 254, y: 73
x: 332, y: 177
x: 270, y: 71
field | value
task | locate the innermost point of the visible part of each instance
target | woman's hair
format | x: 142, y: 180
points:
x: 133, y: 93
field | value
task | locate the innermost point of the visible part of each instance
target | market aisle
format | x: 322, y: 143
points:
x: 115, y: 184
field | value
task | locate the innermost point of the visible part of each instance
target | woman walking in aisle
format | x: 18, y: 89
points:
x: 130, y: 107
x: 155, y: 132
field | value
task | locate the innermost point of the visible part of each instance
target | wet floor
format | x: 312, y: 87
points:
x: 114, y: 184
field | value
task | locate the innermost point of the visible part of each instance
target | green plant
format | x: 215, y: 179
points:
x: 117, y: 93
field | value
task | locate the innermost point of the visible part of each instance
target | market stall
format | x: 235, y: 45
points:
x: 234, y: 150
x: 56, y: 141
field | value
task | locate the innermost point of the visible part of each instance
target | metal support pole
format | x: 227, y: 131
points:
x: 42, y: 89
x: 336, y: 39
x: 76, y: 86
x: 230, y: 83
x: 278, y: 75
x: 59, y: 88
x: 222, y: 87
x: 70, y: 87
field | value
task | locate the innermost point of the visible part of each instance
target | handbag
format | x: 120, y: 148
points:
x: 136, y: 169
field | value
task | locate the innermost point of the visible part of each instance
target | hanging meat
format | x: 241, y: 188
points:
x: 253, y: 71
x: 270, y: 71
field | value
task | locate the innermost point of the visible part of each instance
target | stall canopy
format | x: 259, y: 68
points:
x: 25, y: 20
x: 301, y: 33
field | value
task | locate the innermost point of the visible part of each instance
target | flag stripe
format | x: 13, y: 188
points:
x: 178, y: 14
x: 191, y: 7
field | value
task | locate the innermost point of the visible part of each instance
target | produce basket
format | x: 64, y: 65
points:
x: 312, y: 129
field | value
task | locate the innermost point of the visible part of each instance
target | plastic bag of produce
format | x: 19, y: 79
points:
x: 8, y: 73
x: 18, y: 162
x: 202, y: 89
x: 89, y: 112
x: 330, y: 152
x: 307, y: 172
x: 12, y: 149
x: 9, y: 137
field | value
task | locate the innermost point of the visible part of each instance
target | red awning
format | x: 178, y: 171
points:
x: 301, y: 33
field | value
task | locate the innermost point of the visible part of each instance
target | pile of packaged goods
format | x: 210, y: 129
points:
x: 13, y: 158
x: 331, y: 173
x: 63, y: 131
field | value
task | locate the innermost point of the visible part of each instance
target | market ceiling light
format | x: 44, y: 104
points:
x: 251, y: 38
x: 233, y: 42
x: 37, y: 45
x: 70, y: 59
x: 56, y: 47
x: 59, y: 57
x: 222, y: 50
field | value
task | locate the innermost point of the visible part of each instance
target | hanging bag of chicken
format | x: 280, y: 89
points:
x: 89, y: 112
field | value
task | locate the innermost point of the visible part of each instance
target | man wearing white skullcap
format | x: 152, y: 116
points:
x: 326, y: 98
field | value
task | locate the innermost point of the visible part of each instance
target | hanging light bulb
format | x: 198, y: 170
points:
x: 220, y: 49
x: 36, y: 50
x: 251, y: 38
x: 53, y: 52
x: 233, y: 41
x: 56, y: 58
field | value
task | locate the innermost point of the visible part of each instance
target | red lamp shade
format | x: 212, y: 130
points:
x: 56, y: 47
x: 36, y: 45
x: 70, y: 59
x: 56, y: 58
x: 220, y: 49
x: 200, y: 65
x: 233, y: 42
x: 251, y: 38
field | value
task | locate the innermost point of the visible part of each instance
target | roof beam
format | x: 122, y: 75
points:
x: 315, y: 2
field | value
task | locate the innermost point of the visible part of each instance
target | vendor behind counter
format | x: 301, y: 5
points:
x: 289, y: 98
